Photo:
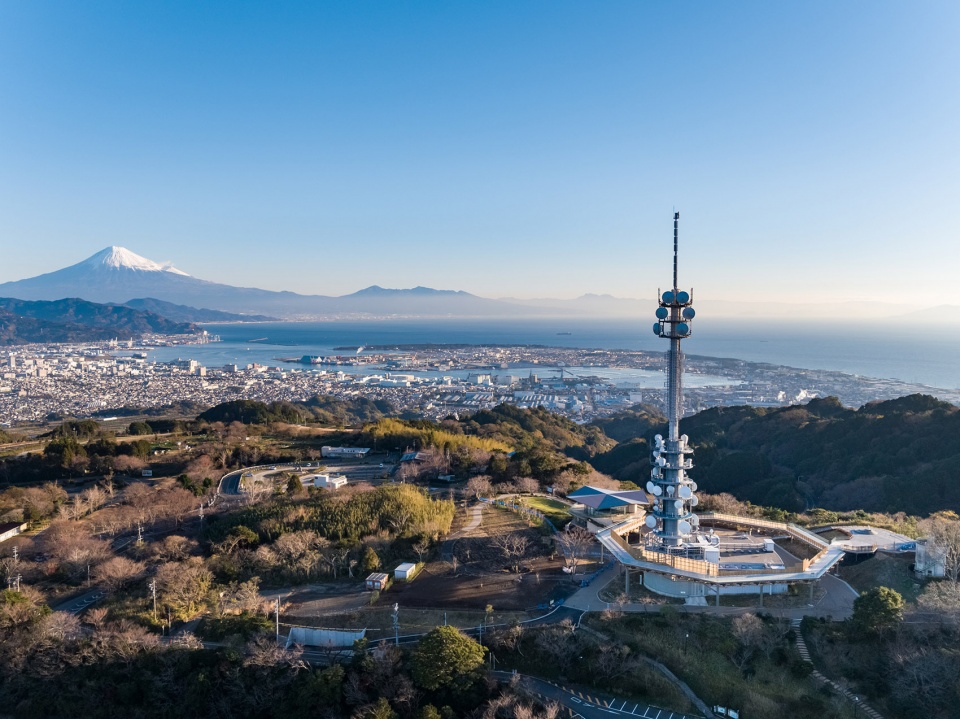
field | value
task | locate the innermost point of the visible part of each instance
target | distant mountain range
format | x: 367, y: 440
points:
x: 118, y: 276
x: 73, y: 320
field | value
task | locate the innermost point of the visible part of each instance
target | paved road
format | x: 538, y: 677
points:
x: 80, y: 604
x: 590, y: 704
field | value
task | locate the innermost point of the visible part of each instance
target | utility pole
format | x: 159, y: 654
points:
x: 396, y: 624
x: 278, y: 619
x: 153, y: 590
x: 16, y: 581
x: 16, y: 555
x: 139, y: 533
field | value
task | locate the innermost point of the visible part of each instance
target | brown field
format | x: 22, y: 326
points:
x: 484, y: 576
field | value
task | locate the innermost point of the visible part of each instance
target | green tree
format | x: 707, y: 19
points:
x: 380, y: 709
x: 428, y: 712
x: 139, y: 428
x: 446, y: 657
x: 294, y: 485
x: 877, y: 609
x: 371, y: 560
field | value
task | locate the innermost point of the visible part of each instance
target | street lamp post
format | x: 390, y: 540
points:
x: 856, y: 706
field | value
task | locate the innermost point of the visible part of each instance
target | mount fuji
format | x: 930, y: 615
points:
x: 117, y: 275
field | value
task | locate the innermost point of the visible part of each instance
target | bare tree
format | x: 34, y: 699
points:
x: 574, y: 543
x: 117, y: 572
x: 480, y: 486
x: 527, y: 485
x: 513, y: 546
x: 184, y: 585
x: 749, y: 632
x: 421, y: 548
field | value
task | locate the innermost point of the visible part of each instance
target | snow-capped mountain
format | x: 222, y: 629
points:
x: 117, y: 275
x: 120, y: 258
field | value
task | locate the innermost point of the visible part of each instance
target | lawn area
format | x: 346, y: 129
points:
x: 884, y: 570
x: 556, y: 512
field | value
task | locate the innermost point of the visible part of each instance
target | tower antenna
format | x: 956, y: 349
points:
x: 676, y: 221
x: 672, y: 519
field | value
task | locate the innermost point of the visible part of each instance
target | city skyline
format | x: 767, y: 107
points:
x: 525, y: 151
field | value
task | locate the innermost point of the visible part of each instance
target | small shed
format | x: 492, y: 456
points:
x: 378, y: 581
x: 406, y: 571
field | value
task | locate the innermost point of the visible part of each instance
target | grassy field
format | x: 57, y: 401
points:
x: 555, y: 511
x: 701, y: 649
x: 884, y: 570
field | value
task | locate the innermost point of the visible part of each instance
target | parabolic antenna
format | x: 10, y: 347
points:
x: 685, y: 491
x: 658, y: 438
x: 684, y: 527
x: 683, y: 297
x: 656, y: 328
x: 661, y: 462
x: 693, y: 486
x: 668, y: 297
x: 657, y: 491
x: 694, y: 501
x: 650, y: 486
x: 651, y: 521
x: 662, y: 313
x: 678, y: 504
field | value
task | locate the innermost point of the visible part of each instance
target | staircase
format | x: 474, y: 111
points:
x: 805, y: 655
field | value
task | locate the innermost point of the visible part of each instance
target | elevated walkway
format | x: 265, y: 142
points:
x: 697, y: 570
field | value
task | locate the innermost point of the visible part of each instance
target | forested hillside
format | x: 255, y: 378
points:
x: 898, y: 455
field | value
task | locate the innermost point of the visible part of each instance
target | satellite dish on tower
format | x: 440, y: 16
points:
x: 651, y: 521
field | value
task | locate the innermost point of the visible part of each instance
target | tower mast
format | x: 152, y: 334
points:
x: 672, y: 519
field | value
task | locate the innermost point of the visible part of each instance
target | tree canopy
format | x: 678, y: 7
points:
x: 446, y: 657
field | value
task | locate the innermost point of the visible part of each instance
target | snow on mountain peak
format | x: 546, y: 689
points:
x: 116, y: 258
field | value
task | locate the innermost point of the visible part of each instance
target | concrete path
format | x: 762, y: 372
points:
x: 837, y: 602
x: 446, y: 551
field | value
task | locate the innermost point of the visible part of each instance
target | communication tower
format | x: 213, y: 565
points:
x: 672, y: 519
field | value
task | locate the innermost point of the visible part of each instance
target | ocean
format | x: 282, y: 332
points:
x: 922, y: 354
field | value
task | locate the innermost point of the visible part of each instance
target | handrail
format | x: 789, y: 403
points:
x: 798, y: 533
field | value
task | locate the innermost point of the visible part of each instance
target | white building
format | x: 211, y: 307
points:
x: 930, y: 560
x: 324, y: 481
x: 405, y: 571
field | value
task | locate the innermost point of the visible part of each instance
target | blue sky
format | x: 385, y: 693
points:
x: 505, y: 148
